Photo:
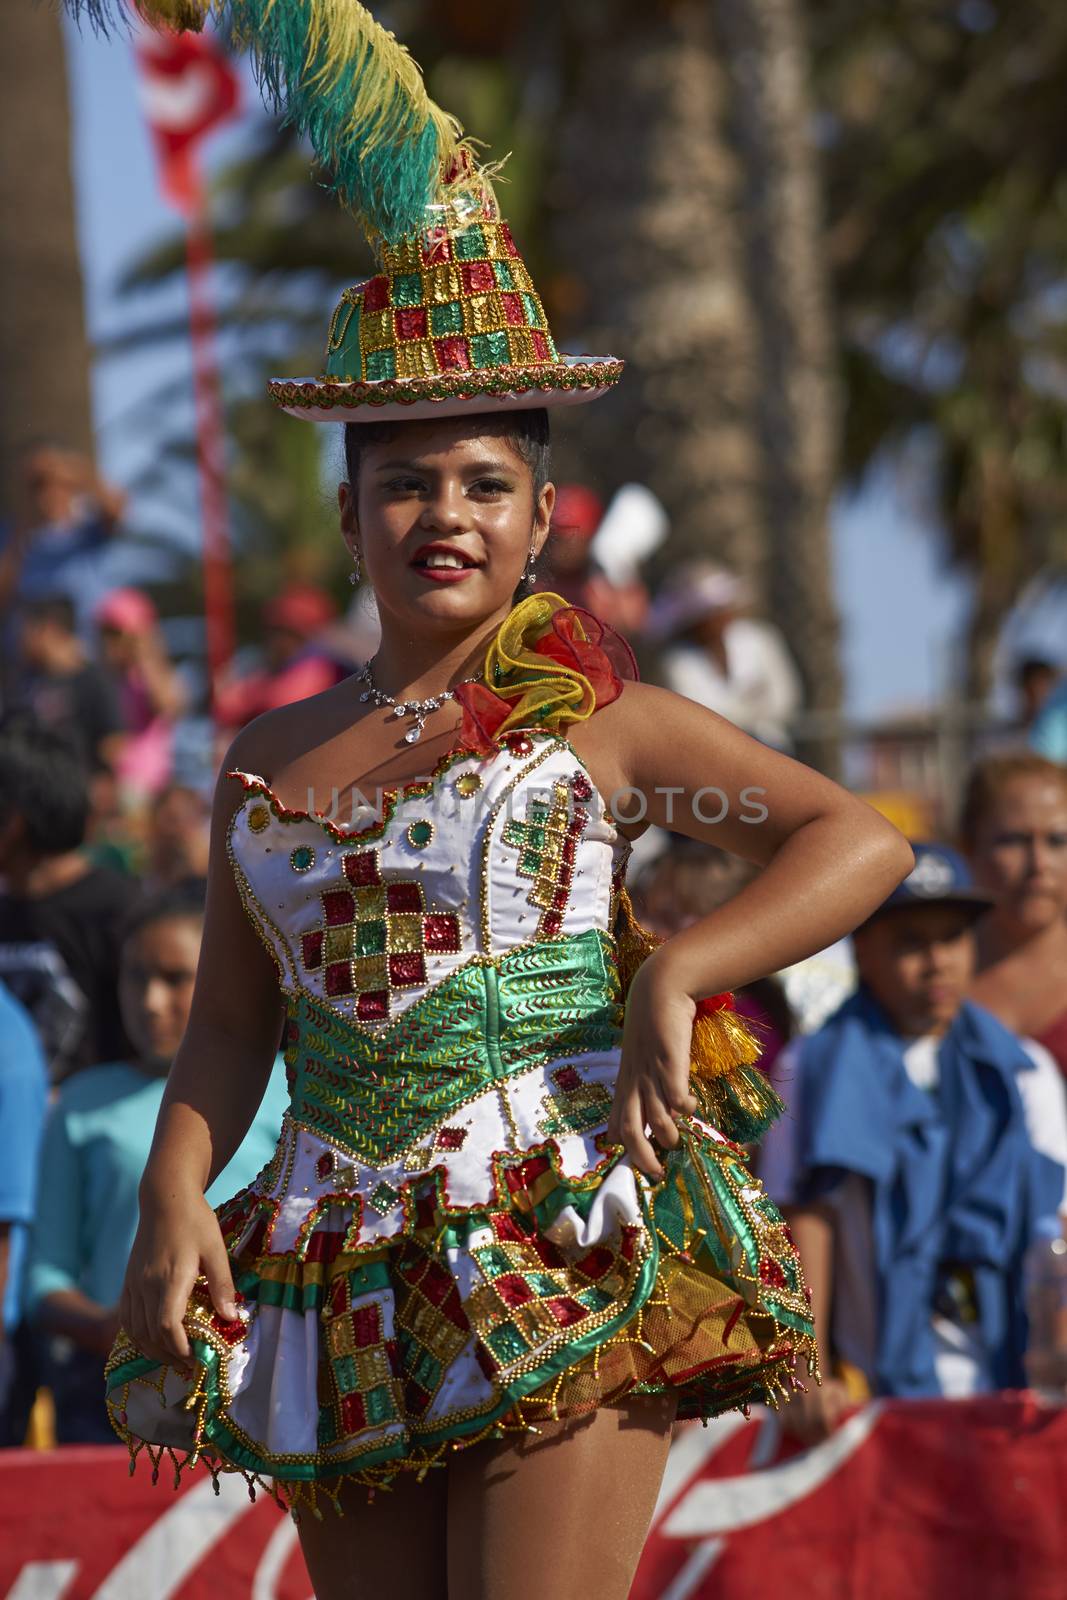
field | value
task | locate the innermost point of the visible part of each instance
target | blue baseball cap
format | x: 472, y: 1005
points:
x: 940, y: 876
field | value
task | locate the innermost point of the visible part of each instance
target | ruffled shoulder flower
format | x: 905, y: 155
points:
x: 550, y: 664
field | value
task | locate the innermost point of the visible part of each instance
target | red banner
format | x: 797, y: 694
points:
x: 916, y: 1498
x: 188, y: 88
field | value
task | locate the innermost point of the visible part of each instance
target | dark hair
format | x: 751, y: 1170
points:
x: 182, y: 899
x: 1030, y: 667
x: 526, y: 431
x: 56, y: 608
x: 45, y: 781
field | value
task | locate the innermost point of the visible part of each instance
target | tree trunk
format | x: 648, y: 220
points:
x: 44, y: 353
x: 773, y: 121
x: 648, y: 197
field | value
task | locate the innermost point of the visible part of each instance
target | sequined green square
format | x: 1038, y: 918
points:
x: 493, y: 1261
x: 380, y: 364
x: 379, y: 1404
x: 470, y: 245
x: 346, y: 1375
x: 490, y: 349
x: 447, y: 318
x: 423, y: 1367
x: 384, y: 1197
x: 506, y: 1343
x: 327, y: 1429
x: 542, y: 1284
x: 370, y: 937
x: 529, y: 863
x: 407, y: 289
x: 504, y: 276
x: 533, y: 316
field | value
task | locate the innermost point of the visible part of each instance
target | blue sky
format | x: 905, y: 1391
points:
x: 901, y: 612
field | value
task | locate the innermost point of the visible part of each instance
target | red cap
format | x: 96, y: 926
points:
x: 300, y: 609
x: 578, y: 512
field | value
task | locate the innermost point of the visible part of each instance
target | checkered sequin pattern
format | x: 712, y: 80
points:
x: 446, y: 302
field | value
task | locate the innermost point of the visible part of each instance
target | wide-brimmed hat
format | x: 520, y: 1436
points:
x: 452, y: 323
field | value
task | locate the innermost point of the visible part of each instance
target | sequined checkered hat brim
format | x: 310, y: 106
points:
x: 451, y: 324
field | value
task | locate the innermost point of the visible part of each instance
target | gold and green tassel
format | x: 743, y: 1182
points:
x: 734, y: 1095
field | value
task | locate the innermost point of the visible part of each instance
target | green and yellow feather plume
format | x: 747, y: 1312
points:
x: 397, y: 161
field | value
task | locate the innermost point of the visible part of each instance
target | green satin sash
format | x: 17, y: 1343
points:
x: 378, y: 1092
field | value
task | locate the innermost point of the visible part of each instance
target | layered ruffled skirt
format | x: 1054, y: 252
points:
x: 450, y: 1251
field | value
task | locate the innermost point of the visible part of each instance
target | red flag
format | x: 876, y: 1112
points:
x: 187, y: 88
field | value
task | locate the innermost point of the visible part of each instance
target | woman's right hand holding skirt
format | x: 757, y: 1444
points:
x: 178, y: 1240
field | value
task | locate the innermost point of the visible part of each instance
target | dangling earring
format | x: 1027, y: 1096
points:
x: 353, y: 576
x: 528, y: 572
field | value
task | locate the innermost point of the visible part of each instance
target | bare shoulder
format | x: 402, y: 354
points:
x: 277, y: 737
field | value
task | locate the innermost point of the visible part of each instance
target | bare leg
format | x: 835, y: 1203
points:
x: 565, y: 1513
x: 393, y: 1547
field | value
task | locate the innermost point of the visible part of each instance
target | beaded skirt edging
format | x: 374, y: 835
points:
x: 471, y: 1322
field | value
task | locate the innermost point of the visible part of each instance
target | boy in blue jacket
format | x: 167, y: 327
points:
x: 925, y: 1144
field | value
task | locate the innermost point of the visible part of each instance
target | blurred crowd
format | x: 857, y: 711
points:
x: 922, y: 1157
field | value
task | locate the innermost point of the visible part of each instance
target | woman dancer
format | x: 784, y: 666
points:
x: 507, y: 1234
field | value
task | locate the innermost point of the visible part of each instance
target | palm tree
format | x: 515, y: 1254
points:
x: 648, y: 192
x: 689, y: 213
x: 44, y: 353
x: 773, y: 117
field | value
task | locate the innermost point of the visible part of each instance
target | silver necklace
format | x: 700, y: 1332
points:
x: 419, y: 709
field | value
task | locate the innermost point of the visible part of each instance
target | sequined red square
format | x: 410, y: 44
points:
x: 407, y: 966
x: 513, y: 310
x: 505, y: 1226
x: 339, y: 978
x: 478, y: 276
x: 353, y: 1413
x: 568, y: 1079
x: 367, y: 1325
x: 376, y: 294
x: 361, y: 867
x: 403, y: 897
x: 565, y: 1310
x: 436, y: 1285
x: 373, y: 1005
x: 441, y: 931
x: 771, y: 1274
x: 596, y: 1263
x: 513, y: 1289
x: 540, y: 344
x: 324, y: 1165
x: 453, y: 354
x: 311, y: 946
x: 411, y: 323
x: 551, y: 923
x: 451, y: 1138
x: 506, y: 239
x: 338, y: 907
x: 437, y: 249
